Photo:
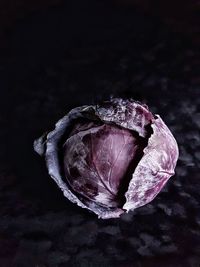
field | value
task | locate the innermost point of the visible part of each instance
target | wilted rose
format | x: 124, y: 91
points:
x: 110, y: 158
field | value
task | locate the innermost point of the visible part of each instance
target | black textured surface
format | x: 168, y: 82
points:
x: 76, y: 54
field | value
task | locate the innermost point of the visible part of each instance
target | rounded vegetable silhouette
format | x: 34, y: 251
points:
x: 110, y: 158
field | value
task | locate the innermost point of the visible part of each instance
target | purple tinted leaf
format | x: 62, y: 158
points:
x: 128, y: 114
x: 96, y: 161
x: 155, y: 168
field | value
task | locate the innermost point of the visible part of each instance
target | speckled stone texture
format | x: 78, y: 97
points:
x: 76, y: 54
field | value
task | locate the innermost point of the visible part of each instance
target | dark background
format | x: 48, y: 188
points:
x: 56, y: 55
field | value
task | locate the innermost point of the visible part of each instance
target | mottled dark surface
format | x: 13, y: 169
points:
x: 75, y: 54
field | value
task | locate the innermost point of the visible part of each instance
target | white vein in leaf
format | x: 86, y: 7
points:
x: 101, y: 179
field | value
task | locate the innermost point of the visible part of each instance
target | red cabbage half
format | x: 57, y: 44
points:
x: 110, y: 158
